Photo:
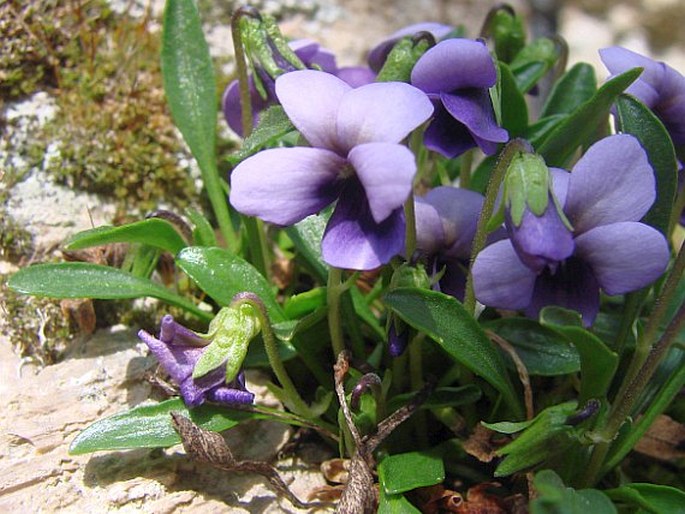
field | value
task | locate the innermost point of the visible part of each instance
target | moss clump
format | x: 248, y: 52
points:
x: 38, y: 329
x: 114, y: 134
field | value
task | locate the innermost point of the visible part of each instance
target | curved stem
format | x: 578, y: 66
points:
x: 299, y: 405
x: 241, y: 69
x: 333, y: 291
x: 480, y: 238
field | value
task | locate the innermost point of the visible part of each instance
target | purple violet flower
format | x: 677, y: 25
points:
x: 659, y: 87
x: 456, y: 75
x: 355, y: 158
x: 311, y: 54
x: 446, y: 221
x: 178, y: 350
x: 611, y: 187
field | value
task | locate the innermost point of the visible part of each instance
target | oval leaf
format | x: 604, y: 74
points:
x: 406, y: 471
x: 86, y: 280
x: 152, y: 232
x: 514, y: 108
x: 446, y: 321
x: 149, y: 426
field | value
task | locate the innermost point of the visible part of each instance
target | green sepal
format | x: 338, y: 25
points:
x: 407, y: 275
x: 401, y: 60
x: 231, y: 332
x: 527, y: 184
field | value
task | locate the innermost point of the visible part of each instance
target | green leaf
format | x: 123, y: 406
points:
x: 189, y: 81
x: 533, y: 61
x: 406, y: 471
x: 580, y: 126
x: 636, y: 119
x: 301, y: 304
x: 658, y: 499
x: 222, y: 274
x: 547, y: 436
x: 152, y: 232
x: 574, y: 88
x: 537, y: 132
x: 446, y: 321
x: 364, y: 312
x: 203, y: 233
x: 440, y: 397
x: 542, y: 350
x: 555, y: 498
x: 273, y: 125
x: 306, y: 236
x: 85, y: 280
x: 149, y: 426
x: 597, y: 362
x: 514, y: 108
x: 395, y: 504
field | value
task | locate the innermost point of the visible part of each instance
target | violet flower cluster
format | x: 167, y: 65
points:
x: 355, y: 158
x: 178, y: 350
x: 610, y: 189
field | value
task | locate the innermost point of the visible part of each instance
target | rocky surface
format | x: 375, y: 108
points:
x: 43, y: 409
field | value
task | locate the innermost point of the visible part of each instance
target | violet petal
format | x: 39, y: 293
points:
x: 356, y: 76
x: 232, y: 108
x: 380, y: 112
x: 572, y: 286
x: 473, y: 108
x: 541, y: 241
x: 353, y: 240
x: 172, y: 332
x: 447, y: 136
x: 613, y: 181
x: 459, y: 210
x: 230, y: 396
x: 500, y: 279
x: 624, y: 256
x: 177, y: 361
x: 454, y: 64
x: 300, y: 91
x: 646, y: 88
x: 386, y: 171
x: 284, y: 185
x: 430, y: 234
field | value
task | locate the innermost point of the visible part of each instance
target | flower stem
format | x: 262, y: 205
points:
x: 241, y: 68
x: 465, y: 169
x: 644, y: 363
x: 299, y: 405
x: 333, y: 291
x: 496, y: 177
x: 410, y: 233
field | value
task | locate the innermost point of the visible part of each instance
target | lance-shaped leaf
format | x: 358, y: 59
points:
x: 636, y: 119
x: 149, y: 426
x: 555, y: 497
x: 190, y: 89
x: 445, y: 320
x: 580, y: 127
x: 274, y: 124
x: 86, y: 280
x: 152, y: 232
x: 574, y: 88
x: 514, y: 108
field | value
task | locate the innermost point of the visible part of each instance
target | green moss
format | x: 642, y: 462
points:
x: 38, y: 328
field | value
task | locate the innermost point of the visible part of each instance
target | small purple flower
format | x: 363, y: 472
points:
x: 355, y: 158
x: 456, y: 75
x: 659, y: 87
x: 380, y: 52
x: 312, y: 55
x: 446, y: 221
x: 611, y: 187
x: 178, y: 350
